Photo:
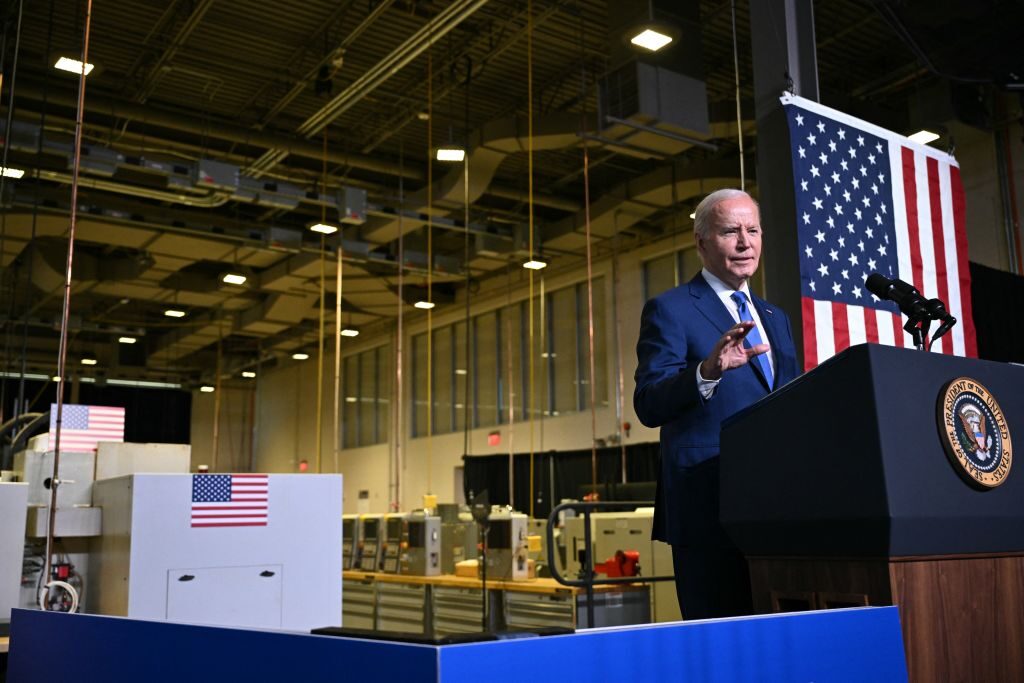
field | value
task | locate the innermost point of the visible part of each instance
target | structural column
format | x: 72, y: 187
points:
x: 784, y: 58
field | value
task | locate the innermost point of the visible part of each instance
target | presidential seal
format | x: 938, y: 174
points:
x: 974, y: 433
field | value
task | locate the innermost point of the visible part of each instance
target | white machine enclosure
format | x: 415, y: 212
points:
x: 13, y: 505
x: 349, y: 540
x: 421, y: 552
x: 76, y: 475
x: 507, y: 546
x: 150, y: 563
x: 117, y: 459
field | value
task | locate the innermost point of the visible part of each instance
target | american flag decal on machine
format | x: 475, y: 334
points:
x: 220, y: 500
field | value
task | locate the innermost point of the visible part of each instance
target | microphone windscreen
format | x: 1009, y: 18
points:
x: 878, y: 285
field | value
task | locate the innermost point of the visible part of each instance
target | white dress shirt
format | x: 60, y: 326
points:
x: 724, y: 292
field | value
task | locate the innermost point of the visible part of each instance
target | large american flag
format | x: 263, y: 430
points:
x: 230, y: 500
x: 869, y: 200
x: 85, y: 426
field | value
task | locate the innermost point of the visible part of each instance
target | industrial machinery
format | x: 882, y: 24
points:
x: 349, y: 541
x: 625, y: 531
x: 180, y: 547
x: 391, y: 544
x: 507, y: 545
x: 421, y: 554
x: 371, y: 535
x: 459, y: 536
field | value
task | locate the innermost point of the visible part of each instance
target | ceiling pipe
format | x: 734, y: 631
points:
x: 201, y: 126
x: 441, y: 25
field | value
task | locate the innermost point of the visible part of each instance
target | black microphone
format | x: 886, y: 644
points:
x: 905, y: 295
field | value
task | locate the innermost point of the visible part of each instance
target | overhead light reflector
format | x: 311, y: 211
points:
x: 924, y: 136
x: 88, y: 361
x: 535, y: 264
x: 425, y: 305
x: 349, y: 332
x: 651, y: 40
x: 325, y: 228
x: 174, y: 313
x: 450, y: 153
x: 300, y: 356
x: 12, y: 172
x: 206, y: 389
x: 248, y: 374
x: 126, y: 340
x: 234, y: 278
x: 73, y: 66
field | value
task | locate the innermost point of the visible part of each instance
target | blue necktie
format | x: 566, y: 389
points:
x: 754, y: 336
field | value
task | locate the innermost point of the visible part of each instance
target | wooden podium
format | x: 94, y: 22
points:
x: 841, y: 492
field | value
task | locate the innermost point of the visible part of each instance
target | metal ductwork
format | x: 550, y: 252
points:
x: 49, y: 263
x: 654, y: 101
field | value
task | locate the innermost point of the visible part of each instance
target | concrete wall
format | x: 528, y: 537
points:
x: 285, y: 397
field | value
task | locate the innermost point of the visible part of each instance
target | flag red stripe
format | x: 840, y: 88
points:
x: 963, y: 269
x: 840, y: 326
x: 232, y: 524
x: 938, y: 240
x: 247, y: 516
x: 913, y: 229
x: 228, y: 507
x: 810, y: 335
x: 870, y: 325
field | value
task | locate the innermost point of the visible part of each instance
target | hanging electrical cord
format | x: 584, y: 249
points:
x: 336, y: 433
x: 430, y: 264
x: 3, y: 166
x: 590, y: 268
x: 63, y: 347
x: 396, y: 499
x: 511, y: 393
x: 466, y: 399
x: 620, y: 397
x: 216, y: 397
x: 529, y: 195
x: 739, y: 111
x: 320, y: 331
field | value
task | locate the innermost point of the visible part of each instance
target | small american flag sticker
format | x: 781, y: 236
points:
x: 220, y: 500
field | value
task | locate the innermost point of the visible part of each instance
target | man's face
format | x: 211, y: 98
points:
x: 732, y: 248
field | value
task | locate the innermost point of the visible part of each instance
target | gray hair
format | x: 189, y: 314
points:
x: 702, y: 216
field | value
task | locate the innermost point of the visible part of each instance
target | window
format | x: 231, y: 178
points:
x: 365, y: 403
x: 671, y: 270
x: 498, y: 367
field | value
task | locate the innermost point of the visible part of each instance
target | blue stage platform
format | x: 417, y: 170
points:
x: 862, y: 644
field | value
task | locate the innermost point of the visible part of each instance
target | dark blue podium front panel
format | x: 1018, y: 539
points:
x: 861, y: 644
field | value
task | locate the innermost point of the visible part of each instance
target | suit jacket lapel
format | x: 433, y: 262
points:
x: 708, y: 303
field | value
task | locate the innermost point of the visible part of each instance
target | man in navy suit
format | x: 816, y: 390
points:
x: 707, y: 349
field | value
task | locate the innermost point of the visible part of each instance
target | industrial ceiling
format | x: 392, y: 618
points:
x: 215, y: 133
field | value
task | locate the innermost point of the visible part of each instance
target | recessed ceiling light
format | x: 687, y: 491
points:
x: 127, y: 340
x: 73, y: 66
x: 248, y: 374
x: 206, y: 389
x: 924, y: 136
x: 174, y: 313
x: 300, y: 356
x: 234, y: 278
x: 425, y: 305
x: 325, y: 228
x: 349, y: 332
x: 12, y: 172
x: 450, y: 153
x: 651, y: 40
x: 88, y: 361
